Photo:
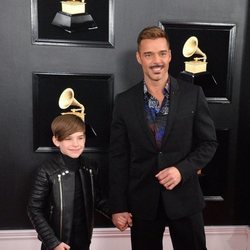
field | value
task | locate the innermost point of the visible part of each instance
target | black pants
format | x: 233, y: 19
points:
x: 186, y: 233
x: 79, y: 238
x: 73, y: 246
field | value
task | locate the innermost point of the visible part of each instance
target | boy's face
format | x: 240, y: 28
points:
x: 72, y: 146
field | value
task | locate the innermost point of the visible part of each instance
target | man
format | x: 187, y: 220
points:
x: 162, y: 135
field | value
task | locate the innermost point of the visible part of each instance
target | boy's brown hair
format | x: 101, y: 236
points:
x: 64, y: 125
x: 152, y: 32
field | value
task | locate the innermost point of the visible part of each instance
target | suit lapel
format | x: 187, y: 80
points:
x: 139, y: 108
x: 174, y: 100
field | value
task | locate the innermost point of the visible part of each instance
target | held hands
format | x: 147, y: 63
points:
x: 62, y: 246
x: 169, y: 177
x: 122, y: 220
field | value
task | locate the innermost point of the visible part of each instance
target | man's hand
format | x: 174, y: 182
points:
x: 122, y: 220
x: 169, y: 177
x: 62, y: 246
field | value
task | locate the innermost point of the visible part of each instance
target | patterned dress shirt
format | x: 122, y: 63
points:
x: 157, y: 115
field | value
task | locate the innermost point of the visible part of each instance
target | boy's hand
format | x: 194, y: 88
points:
x: 62, y: 246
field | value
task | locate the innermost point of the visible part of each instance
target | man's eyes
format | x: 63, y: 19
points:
x: 161, y: 54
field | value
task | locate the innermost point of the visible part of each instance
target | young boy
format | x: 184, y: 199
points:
x: 63, y: 197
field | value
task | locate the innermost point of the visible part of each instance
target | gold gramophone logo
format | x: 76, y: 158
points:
x: 199, y: 63
x: 73, y: 17
x: 73, y: 7
x: 67, y: 99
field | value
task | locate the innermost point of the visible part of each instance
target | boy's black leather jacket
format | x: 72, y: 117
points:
x: 50, y: 206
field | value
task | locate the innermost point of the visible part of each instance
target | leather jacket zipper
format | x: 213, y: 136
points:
x: 93, y: 195
x: 61, y: 203
x: 92, y: 183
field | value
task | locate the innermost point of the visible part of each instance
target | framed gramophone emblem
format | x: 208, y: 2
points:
x: 73, y: 22
x: 203, y: 53
x: 88, y: 95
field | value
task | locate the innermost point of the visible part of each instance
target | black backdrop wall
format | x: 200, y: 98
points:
x: 242, y: 203
x: 20, y: 58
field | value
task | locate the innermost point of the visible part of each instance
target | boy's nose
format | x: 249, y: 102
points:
x: 75, y: 142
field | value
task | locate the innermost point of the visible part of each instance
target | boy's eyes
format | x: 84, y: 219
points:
x: 69, y: 138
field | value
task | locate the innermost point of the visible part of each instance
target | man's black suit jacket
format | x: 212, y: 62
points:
x: 189, y: 144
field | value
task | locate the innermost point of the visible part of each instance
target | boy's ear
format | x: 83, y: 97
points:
x: 55, y: 141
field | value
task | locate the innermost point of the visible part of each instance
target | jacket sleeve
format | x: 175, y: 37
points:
x: 36, y: 209
x: 205, y: 143
x: 101, y: 203
x: 118, y: 160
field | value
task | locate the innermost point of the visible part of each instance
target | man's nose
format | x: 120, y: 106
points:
x: 156, y: 58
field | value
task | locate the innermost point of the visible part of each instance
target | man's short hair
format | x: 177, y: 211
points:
x: 64, y: 125
x: 152, y: 32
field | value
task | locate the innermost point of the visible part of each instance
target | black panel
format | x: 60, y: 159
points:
x: 214, y: 176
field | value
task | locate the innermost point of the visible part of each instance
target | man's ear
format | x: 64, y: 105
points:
x: 170, y: 55
x: 138, y: 57
x: 55, y: 141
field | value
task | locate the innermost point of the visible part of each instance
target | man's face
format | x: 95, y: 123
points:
x: 72, y: 146
x: 154, y: 56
